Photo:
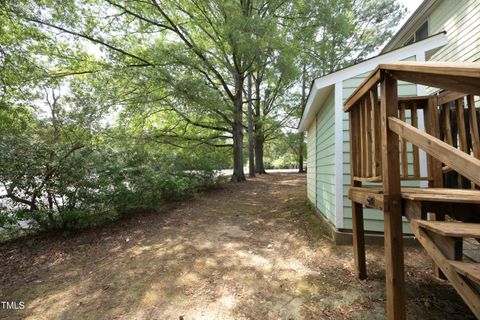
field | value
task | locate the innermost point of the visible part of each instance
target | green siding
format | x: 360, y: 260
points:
x: 373, y: 218
x: 460, y: 19
x: 325, y: 160
x: 311, y: 162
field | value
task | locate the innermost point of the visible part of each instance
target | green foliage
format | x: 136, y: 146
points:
x: 345, y: 31
x: 282, y: 153
x: 66, y: 170
x: 108, y: 108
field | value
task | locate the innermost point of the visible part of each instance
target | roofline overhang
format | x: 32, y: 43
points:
x: 422, y: 10
x: 316, y: 97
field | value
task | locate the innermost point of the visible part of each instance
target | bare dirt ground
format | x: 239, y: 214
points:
x: 245, y: 251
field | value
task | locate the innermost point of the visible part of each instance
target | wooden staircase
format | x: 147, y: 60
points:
x: 440, y: 239
x: 386, y: 137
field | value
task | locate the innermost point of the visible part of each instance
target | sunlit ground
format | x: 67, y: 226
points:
x: 246, y: 251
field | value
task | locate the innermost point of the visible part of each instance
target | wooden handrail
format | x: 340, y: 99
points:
x: 461, y: 162
x: 456, y: 69
x: 454, y: 76
x: 414, y: 98
x: 447, y: 96
x: 372, y: 80
x: 461, y: 77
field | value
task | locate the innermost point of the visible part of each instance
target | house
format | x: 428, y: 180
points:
x: 439, y: 30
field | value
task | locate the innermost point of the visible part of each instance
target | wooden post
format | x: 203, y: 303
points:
x: 416, y: 154
x: 377, y: 157
x: 447, y: 125
x: 394, y: 273
x: 472, y: 112
x: 363, y: 140
x: 358, y: 233
x: 432, y: 125
x: 368, y: 116
x: 462, y: 138
x: 403, y: 145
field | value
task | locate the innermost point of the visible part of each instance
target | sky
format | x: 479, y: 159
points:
x: 411, y: 5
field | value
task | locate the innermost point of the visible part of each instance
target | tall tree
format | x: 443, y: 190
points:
x: 344, y: 32
x: 192, y: 56
x: 315, y: 38
x: 275, y: 75
x: 210, y: 40
x: 333, y: 34
x: 301, y: 135
x: 251, y: 145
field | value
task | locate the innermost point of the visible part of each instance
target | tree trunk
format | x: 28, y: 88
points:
x: 259, y: 137
x: 251, y: 155
x: 301, y: 134
x: 51, y: 219
x: 300, y: 153
x: 259, y: 142
x: 238, y: 173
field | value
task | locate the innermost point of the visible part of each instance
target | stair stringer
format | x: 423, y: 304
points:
x: 466, y: 290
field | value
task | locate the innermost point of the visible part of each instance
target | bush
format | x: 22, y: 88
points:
x: 93, y: 187
x: 82, y: 176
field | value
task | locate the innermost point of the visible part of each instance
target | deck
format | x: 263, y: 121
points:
x: 392, y: 140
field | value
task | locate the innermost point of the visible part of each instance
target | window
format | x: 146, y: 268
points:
x: 420, y: 34
x: 410, y: 41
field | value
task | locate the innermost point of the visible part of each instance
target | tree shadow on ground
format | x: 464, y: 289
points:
x: 242, y: 252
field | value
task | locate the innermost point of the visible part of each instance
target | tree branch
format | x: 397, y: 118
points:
x: 191, y: 44
x: 198, y: 124
x: 84, y: 36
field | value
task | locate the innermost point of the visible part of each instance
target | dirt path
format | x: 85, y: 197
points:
x: 246, y: 251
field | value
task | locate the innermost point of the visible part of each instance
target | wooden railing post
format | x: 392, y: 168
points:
x: 377, y: 148
x: 394, y: 273
x: 432, y: 128
x: 475, y: 136
x: 358, y: 234
x: 434, y: 166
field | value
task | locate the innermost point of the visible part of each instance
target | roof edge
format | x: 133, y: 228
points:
x: 367, y: 65
x: 411, y: 21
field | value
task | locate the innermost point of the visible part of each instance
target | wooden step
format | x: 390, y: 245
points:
x: 469, y: 270
x: 452, y: 229
x: 442, y: 195
x: 427, y: 194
